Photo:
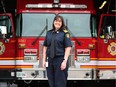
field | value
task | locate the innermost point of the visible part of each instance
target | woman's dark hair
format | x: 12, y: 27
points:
x: 63, y: 24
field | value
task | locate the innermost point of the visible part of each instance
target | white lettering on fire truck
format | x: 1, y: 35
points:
x: 2, y: 48
x: 112, y: 48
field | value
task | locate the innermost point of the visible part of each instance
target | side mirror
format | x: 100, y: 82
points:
x: 109, y: 29
x: 3, y: 30
x: 109, y: 32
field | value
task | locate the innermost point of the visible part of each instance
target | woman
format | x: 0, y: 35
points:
x: 56, y: 50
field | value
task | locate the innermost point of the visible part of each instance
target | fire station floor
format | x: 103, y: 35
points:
x: 76, y: 83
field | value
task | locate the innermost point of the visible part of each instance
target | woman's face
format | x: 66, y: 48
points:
x: 58, y: 23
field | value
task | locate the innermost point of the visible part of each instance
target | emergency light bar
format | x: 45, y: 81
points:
x: 81, y: 6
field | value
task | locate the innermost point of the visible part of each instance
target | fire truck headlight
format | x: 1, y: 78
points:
x: 30, y: 58
x: 30, y: 55
x: 83, y: 59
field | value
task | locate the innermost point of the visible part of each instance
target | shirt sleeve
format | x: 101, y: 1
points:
x: 67, y: 40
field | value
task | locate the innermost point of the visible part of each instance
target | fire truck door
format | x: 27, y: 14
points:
x: 107, y: 47
x: 7, y: 42
x: 107, y: 37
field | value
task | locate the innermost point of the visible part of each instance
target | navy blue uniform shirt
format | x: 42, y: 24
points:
x: 62, y: 40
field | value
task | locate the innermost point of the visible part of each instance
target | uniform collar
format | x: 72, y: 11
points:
x: 56, y: 31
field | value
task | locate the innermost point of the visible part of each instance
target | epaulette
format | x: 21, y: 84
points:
x: 65, y: 31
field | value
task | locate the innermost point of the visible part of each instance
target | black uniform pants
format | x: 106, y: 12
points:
x: 56, y: 76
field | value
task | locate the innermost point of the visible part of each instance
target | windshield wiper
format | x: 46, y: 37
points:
x: 45, y: 28
x: 78, y: 42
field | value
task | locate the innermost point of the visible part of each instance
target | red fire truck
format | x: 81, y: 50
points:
x: 7, y: 46
x: 106, y: 42
x: 93, y: 53
x: 34, y: 19
x: 107, y: 47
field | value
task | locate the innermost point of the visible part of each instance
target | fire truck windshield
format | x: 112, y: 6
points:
x: 31, y: 24
x: 81, y: 25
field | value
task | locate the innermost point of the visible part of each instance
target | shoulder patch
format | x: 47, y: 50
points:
x: 67, y: 35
